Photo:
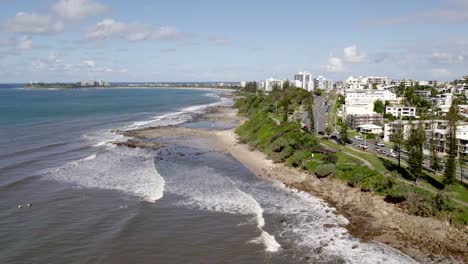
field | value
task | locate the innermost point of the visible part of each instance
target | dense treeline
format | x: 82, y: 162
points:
x: 279, y: 137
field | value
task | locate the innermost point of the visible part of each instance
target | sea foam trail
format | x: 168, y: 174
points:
x: 128, y: 171
x: 204, y: 188
x: 268, y: 240
x: 313, y: 226
x: 179, y: 116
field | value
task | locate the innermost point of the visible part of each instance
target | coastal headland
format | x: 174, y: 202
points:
x: 427, y: 240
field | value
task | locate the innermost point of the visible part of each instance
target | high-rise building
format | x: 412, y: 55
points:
x: 322, y: 83
x: 305, y: 80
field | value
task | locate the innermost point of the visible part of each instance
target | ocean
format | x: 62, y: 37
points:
x: 84, y: 200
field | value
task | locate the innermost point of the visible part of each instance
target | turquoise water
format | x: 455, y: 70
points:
x: 26, y: 107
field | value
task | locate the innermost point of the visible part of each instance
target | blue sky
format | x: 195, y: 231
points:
x: 215, y: 40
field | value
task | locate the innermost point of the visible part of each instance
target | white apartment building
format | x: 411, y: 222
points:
x: 440, y: 131
x: 322, y: 83
x: 361, y: 102
x: 304, y: 80
x: 358, y: 97
x: 401, y: 111
x: 359, y: 83
x: 268, y: 84
x: 406, y: 83
x: 379, y: 81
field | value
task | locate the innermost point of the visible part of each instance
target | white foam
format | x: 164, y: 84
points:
x: 311, y: 224
x: 129, y: 171
x: 268, y: 240
x: 206, y: 189
x: 101, y: 143
x: 179, y: 116
x: 91, y: 157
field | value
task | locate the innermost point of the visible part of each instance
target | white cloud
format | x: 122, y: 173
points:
x: 89, y: 63
x: 440, y: 73
x: 33, y: 24
x: 24, y: 43
x: 335, y: 64
x: 445, y: 58
x: 219, y: 40
x: 352, y: 54
x: 109, y: 28
x: 75, y: 10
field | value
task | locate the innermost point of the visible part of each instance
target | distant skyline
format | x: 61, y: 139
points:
x: 208, y: 40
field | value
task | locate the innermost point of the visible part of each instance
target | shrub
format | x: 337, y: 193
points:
x: 330, y: 158
x: 325, y: 170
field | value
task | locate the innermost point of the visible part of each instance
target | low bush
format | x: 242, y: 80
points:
x: 324, y: 170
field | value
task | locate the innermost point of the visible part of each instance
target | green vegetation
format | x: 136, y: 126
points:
x: 379, y: 107
x: 450, y: 167
x: 286, y: 142
x: 279, y: 142
x: 325, y: 170
x: 414, y: 144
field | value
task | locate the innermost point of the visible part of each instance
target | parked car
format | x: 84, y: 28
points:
x: 393, y: 155
x: 380, y: 144
x: 358, y: 137
x: 363, y: 146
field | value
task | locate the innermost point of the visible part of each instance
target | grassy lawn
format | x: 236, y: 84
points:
x: 387, y: 165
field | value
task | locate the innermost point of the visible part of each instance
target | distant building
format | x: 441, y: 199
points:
x: 401, y: 111
x: 269, y: 84
x: 354, y: 121
x: 378, y: 81
x: 406, y: 83
x: 370, y: 129
x: 439, y: 129
x: 305, y: 81
x: 243, y: 84
x: 322, y: 83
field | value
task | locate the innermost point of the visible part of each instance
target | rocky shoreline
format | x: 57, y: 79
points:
x: 426, y: 240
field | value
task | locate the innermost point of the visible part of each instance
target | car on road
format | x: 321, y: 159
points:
x: 380, y: 144
x: 392, y: 154
x: 358, y: 137
x: 363, y: 146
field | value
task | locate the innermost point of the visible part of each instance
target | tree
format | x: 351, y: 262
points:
x: 450, y: 167
x: 374, y: 86
x: 435, y: 165
x: 414, y: 144
x: 285, y: 104
x: 328, y: 130
x: 398, y: 138
x: 310, y: 112
x: 344, y: 134
x: 379, y: 107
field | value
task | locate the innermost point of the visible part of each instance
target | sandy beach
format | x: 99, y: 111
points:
x: 371, y: 218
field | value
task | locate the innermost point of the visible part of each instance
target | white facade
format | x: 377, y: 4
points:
x: 379, y: 81
x: 359, y: 97
x: 400, y: 111
x: 356, y: 83
x: 370, y: 129
x: 305, y: 80
x: 268, y: 84
x: 322, y: 83
x: 406, y: 83
x: 243, y: 84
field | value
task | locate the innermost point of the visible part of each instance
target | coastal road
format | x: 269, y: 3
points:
x: 321, y: 110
